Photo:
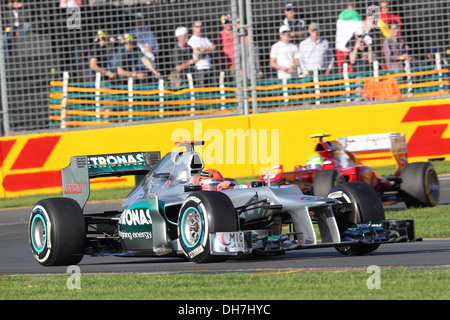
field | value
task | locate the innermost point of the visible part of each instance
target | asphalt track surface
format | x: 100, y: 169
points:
x: 16, y: 257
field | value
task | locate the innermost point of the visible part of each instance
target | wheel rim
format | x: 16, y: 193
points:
x: 191, y: 227
x: 433, y: 185
x: 38, y: 233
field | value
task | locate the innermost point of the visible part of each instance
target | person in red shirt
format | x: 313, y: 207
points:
x: 386, y: 16
x: 225, y: 44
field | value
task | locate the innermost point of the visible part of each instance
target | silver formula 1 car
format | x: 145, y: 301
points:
x: 166, y: 216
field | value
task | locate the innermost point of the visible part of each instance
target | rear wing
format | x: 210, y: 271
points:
x: 393, y: 142
x: 76, y: 176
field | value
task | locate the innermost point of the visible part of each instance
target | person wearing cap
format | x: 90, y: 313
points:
x: 182, y: 60
x: 202, y: 49
x: 225, y: 46
x: 129, y: 57
x: 297, y: 26
x: 99, y: 57
x: 315, y: 53
x: 284, y: 55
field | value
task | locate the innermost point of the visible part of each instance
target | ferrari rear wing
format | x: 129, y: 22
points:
x: 393, y: 142
x: 76, y: 176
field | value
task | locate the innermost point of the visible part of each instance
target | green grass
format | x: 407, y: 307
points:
x: 311, y: 285
x: 428, y: 222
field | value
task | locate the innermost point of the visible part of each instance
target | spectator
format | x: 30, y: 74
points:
x: 202, y: 48
x: 17, y: 23
x: 99, y: 57
x: 284, y: 55
x: 349, y: 21
x: 394, y: 49
x: 387, y: 18
x: 361, y: 54
x: 225, y: 45
x: 297, y: 26
x: 182, y: 59
x: 373, y: 36
x: 315, y: 52
x: 128, y: 58
x: 146, y: 40
x: 360, y: 58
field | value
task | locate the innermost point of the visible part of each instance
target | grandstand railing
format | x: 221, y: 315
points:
x: 93, y: 104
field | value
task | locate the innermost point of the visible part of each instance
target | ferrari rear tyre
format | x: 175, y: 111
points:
x: 57, y: 232
x: 366, y: 206
x: 420, y: 185
x: 203, y: 213
x: 325, y: 180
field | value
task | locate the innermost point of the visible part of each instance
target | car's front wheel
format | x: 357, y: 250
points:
x: 201, y: 214
x: 366, y: 206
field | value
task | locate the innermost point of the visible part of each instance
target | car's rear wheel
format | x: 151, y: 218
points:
x: 420, y: 185
x: 57, y: 232
x: 201, y: 214
x: 366, y: 206
x: 326, y: 180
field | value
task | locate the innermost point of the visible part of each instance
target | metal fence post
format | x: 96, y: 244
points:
x: 4, y: 93
x: 237, y: 55
x: 251, y: 53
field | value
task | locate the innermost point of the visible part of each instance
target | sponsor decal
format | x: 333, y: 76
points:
x: 196, y: 251
x: 232, y: 240
x: 135, y: 235
x: 33, y: 155
x: 73, y: 188
x: 133, y: 217
x: 367, y: 225
x: 427, y: 140
x: 123, y: 159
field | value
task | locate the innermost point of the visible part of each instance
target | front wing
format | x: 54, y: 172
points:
x: 246, y: 242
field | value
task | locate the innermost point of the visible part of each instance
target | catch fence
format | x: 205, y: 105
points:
x: 86, y: 63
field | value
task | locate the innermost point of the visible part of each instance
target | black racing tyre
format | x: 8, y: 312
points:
x: 202, y: 213
x: 325, y: 180
x: 57, y: 232
x: 420, y: 185
x: 366, y: 206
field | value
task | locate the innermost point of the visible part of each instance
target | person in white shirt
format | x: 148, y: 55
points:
x: 315, y: 52
x: 202, y: 48
x: 284, y: 55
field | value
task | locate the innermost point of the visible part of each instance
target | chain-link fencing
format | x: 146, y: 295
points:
x: 87, y: 63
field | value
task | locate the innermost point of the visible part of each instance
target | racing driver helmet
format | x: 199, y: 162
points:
x: 314, y: 161
x: 209, y: 180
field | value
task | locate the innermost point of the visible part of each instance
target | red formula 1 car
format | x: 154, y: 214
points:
x: 334, y: 162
